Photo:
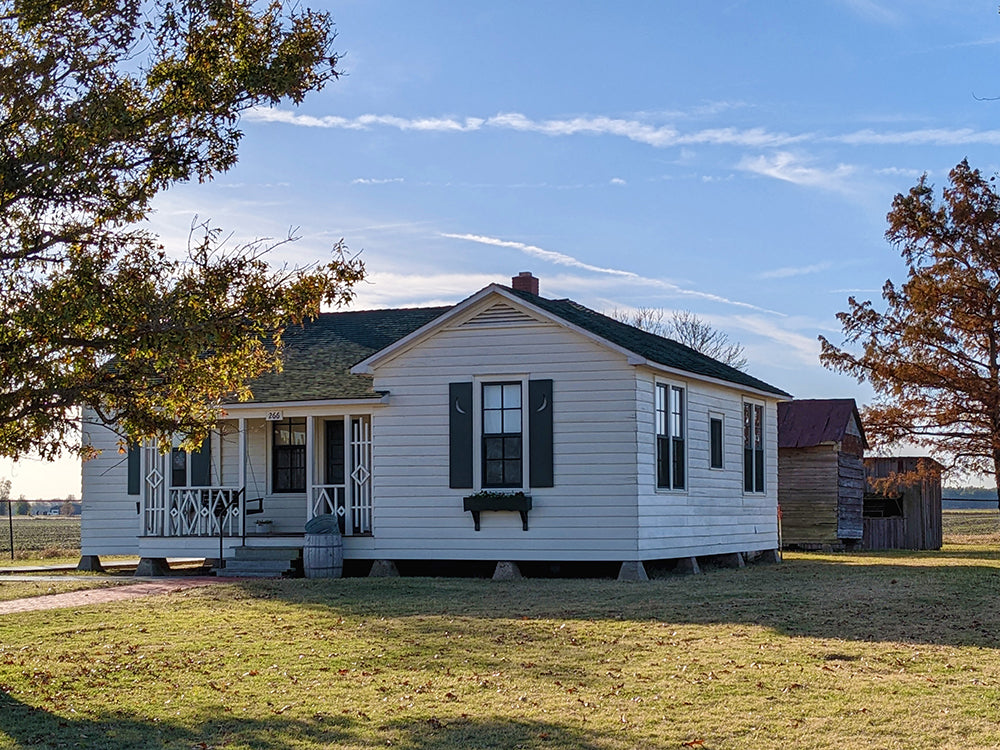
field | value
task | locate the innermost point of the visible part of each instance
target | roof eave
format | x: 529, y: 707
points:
x: 688, y: 375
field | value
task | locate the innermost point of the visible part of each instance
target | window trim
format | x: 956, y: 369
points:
x: 478, y: 465
x: 714, y: 416
x: 761, y: 479
x: 671, y: 386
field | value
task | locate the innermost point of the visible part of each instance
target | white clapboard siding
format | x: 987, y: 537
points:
x: 109, y: 524
x: 712, y: 515
x: 590, y: 514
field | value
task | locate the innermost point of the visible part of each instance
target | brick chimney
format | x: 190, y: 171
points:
x: 525, y: 282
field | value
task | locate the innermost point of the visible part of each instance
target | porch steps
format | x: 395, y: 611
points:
x: 262, y: 562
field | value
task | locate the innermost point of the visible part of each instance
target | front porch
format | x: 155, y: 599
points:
x: 257, y: 480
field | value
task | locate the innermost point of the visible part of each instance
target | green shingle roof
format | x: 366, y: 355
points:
x: 318, y: 356
x: 654, y: 348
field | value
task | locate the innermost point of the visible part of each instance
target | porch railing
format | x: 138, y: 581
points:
x: 355, y: 517
x: 195, y: 511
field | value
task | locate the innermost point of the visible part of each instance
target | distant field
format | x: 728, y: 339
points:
x: 36, y: 534
x: 971, y: 526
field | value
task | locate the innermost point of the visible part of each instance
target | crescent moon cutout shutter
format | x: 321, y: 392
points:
x: 460, y: 435
x: 540, y: 433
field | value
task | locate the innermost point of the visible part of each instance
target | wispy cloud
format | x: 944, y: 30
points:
x: 659, y: 136
x: 900, y: 172
x: 386, y: 289
x: 562, y: 259
x: 618, y: 181
x: 922, y: 137
x: 803, y: 348
x: 375, y: 181
x: 789, y: 271
x: 636, y: 130
x: 873, y: 11
x: 790, y: 168
x: 551, y: 256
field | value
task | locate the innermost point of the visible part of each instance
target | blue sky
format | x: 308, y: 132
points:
x: 734, y: 159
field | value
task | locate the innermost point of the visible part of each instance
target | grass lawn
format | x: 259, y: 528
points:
x: 898, y: 650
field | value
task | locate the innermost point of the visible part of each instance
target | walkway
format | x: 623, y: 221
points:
x: 115, y: 593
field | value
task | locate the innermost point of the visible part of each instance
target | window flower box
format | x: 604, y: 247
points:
x: 487, y: 500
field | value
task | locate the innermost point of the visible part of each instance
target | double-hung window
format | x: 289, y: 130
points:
x: 502, y: 444
x: 671, y: 426
x: 753, y: 447
x: 288, y: 455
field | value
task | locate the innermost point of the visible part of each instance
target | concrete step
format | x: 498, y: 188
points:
x: 267, y: 553
x: 264, y: 569
x: 240, y: 573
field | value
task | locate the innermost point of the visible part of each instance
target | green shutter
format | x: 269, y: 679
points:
x: 460, y: 435
x: 134, y: 478
x: 540, y: 433
x: 201, y: 465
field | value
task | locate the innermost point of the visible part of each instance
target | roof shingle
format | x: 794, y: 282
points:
x: 319, y: 355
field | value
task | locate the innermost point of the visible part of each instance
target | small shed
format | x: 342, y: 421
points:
x: 908, y: 515
x: 821, y: 476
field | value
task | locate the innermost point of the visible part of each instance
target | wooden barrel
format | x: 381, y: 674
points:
x: 323, y: 556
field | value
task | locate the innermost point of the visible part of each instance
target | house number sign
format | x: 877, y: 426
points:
x: 274, y: 416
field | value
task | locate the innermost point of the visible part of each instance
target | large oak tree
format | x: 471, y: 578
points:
x: 103, y: 104
x: 932, y: 354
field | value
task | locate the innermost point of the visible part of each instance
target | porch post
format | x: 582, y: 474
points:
x: 310, y: 464
x: 241, y: 481
x: 242, y: 450
x: 348, y: 470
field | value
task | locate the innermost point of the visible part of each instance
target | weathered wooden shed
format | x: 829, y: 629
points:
x: 821, y: 477
x: 907, y: 515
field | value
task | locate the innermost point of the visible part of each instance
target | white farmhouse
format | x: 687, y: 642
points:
x: 509, y: 427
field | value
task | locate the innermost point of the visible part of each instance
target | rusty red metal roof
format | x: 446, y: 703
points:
x: 807, y: 422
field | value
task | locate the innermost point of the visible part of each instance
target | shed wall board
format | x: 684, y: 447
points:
x: 808, y: 493
x: 851, y: 492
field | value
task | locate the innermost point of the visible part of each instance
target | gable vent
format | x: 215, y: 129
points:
x: 500, y: 314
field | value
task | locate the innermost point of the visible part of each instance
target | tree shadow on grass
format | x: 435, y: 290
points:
x: 29, y: 726
x: 909, y: 601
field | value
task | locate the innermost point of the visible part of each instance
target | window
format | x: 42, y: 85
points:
x: 502, y: 444
x: 753, y: 447
x: 670, y: 428
x: 288, y: 457
x: 191, y: 469
x: 715, y: 441
x: 495, y: 428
